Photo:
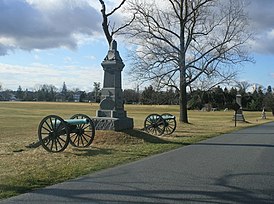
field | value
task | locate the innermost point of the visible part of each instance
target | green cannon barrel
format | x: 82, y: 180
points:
x: 73, y: 121
x: 77, y: 121
x: 168, y: 117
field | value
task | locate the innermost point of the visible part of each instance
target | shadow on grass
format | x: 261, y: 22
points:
x: 135, y: 134
x: 150, y: 138
x: 8, y: 191
x: 93, y: 151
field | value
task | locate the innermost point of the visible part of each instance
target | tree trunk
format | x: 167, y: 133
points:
x: 182, y: 67
x: 183, y: 105
x: 183, y: 96
x: 105, y: 22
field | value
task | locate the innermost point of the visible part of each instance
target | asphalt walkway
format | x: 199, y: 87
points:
x: 231, y: 168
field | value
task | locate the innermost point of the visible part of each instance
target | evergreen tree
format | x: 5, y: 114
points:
x: 64, y: 89
x: 97, y: 91
x: 148, y: 95
x: 19, y: 93
x: 269, y: 100
x: 269, y: 90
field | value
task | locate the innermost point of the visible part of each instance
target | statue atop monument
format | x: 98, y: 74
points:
x: 113, y: 53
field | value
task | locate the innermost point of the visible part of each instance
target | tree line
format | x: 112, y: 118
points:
x: 48, y: 92
x: 217, y: 98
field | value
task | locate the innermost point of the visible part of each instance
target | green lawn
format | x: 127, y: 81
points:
x: 23, y: 169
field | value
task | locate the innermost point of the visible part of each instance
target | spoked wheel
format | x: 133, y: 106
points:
x: 170, y: 123
x: 83, y: 134
x: 53, y: 133
x: 154, y: 124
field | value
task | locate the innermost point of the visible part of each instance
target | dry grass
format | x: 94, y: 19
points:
x: 23, y: 169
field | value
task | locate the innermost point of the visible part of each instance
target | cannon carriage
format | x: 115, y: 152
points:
x: 156, y: 124
x: 55, y: 133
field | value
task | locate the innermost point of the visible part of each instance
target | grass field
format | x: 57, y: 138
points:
x: 23, y: 169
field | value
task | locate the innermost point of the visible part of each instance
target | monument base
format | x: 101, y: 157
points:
x: 116, y: 124
x: 239, y: 117
x: 111, y: 113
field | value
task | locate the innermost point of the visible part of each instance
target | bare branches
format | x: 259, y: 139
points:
x: 106, y: 24
x: 182, y: 41
x: 115, y: 9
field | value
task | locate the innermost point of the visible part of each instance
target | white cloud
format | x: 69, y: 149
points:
x: 29, y: 76
x: 68, y: 59
x: 262, y: 43
x: 36, y: 24
x: 91, y: 57
x: 261, y: 16
x: 270, y: 34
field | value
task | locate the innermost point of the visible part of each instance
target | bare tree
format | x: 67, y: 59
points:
x: 181, y: 41
x: 110, y: 29
x: 243, y: 86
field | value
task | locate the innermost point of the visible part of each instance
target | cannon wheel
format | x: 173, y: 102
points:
x: 170, y: 123
x: 53, y: 133
x: 154, y: 124
x: 85, y: 132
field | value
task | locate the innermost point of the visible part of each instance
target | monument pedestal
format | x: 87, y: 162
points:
x: 111, y: 115
x: 239, y: 117
x: 109, y: 123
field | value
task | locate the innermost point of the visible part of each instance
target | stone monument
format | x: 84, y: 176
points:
x: 111, y: 115
x: 263, y: 114
x: 239, y: 113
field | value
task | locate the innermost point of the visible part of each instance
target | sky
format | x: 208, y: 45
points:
x: 56, y: 41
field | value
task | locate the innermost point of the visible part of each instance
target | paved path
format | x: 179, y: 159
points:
x: 231, y: 168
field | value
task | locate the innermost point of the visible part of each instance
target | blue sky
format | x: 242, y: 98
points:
x: 56, y: 41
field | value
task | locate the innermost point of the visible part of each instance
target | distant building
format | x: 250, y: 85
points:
x: 60, y: 97
x: 77, y: 96
x: 13, y: 98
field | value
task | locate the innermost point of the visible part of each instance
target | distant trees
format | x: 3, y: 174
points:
x: 153, y: 96
x: 219, y: 98
x: 64, y: 89
x: 96, y: 91
x: 131, y: 96
x: 242, y: 86
x: 20, y: 93
x: 48, y: 92
x: 254, y: 100
x: 269, y: 99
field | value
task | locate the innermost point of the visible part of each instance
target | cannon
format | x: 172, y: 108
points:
x: 55, y: 133
x: 160, y: 124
